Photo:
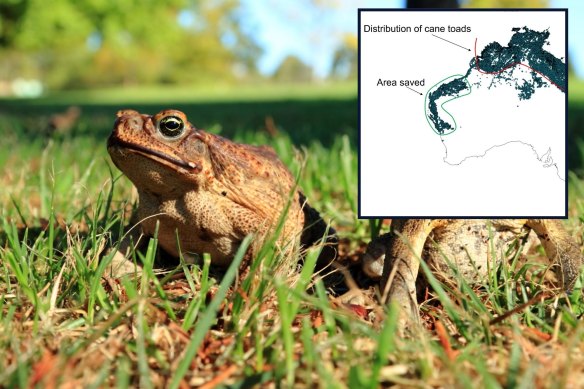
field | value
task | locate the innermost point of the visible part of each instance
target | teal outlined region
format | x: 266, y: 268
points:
x: 438, y: 91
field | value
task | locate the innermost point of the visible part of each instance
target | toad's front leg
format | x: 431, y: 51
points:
x: 562, y: 250
x: 401, y: 263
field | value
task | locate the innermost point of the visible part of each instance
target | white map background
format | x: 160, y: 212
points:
x: 403, y: 172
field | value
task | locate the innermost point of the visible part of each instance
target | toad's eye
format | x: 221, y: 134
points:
x: 171, y: 126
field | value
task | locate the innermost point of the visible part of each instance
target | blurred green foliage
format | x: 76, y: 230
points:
x: 505, y: 3
x: 73, y: 44
x: 345, y: 59
x: 305, y: 113
x: 293, y: 69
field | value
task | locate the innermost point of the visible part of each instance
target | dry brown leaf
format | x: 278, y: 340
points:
x: 445, y: 340
x: 44, y: 369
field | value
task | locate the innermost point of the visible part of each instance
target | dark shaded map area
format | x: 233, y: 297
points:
x: 525, y: 47
x: 452, y: 88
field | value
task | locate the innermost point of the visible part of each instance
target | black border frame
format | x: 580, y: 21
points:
x: 359, y: 10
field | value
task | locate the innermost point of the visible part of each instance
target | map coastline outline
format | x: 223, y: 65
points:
x: 428, y: 112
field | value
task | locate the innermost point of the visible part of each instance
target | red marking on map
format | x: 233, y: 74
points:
x: 510, y: 66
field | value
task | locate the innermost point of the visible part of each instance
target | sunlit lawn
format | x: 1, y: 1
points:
x: 64, y: 320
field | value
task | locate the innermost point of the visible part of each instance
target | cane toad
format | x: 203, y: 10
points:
x: 470, y: 246
x: 207, y: 190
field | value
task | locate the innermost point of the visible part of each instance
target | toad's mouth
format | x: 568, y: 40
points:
x: 150, y: 153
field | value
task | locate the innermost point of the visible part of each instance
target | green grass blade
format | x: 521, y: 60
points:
x: 208, y: 317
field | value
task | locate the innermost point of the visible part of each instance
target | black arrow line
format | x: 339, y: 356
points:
x: 413, y: 90
x: 451, y: 42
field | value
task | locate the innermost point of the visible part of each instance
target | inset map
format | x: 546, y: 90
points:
x: 494, y: 113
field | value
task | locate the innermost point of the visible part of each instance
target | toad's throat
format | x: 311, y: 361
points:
x: 149, y: 153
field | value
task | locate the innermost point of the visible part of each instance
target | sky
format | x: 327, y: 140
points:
x: 313, y: 33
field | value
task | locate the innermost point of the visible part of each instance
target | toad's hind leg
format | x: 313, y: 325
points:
x: 402, y: 263
x: 560, y: 248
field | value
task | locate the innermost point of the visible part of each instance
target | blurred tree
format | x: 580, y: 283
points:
x: 345, y: 59
x: 11, y: 12
x: 69, y: 43
x: 505, y: 3
x: 293, y: 69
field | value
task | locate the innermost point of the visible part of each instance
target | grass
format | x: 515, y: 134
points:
x: 63, y: 320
